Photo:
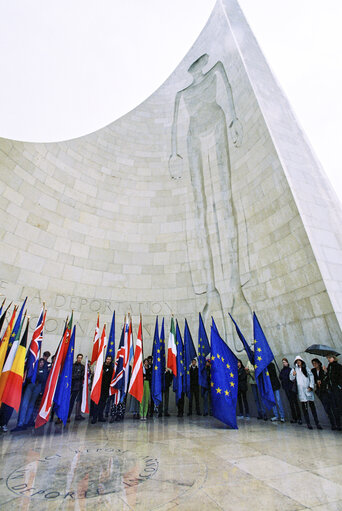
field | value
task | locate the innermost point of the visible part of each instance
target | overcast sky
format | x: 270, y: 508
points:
x: 71, y: 67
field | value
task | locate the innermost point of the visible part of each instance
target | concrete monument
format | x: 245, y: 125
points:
x: 205, y: 198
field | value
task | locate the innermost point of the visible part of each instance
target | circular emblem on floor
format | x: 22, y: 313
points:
x: 83, y: 473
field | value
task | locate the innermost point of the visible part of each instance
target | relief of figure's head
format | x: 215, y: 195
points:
x: 199, y: 64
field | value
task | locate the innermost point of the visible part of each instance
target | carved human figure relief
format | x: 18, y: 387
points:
x: 210, y: 174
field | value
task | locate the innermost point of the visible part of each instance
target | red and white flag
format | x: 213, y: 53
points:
x: 136, y: 386
x: 51, y: 384
x: 85, y: 391
x: 96, y: 340
x: 97, y: 381
x: 172, y: 349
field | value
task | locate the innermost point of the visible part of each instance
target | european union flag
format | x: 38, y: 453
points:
x: 189, y: 355
x: 162, y: 353
x: 17, y: 327
x: 203, y: 351
x: 63, y: 391
x: 248, y: 350
x: 224, y: 380
x: 179, y: 379
x: 263, y: 356
x: 157, y: 371
x: 111, y: 339
x: 213, y: 324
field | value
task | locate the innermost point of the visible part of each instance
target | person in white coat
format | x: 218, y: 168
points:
x: 305, y: 388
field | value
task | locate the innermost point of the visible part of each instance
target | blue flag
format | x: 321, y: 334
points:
x: 16, y: 327
x: 157, y: 372
x: 179, y: 379
x: 263, y: 356
x: 203, y: 351
x: 189, y: 355
x: 224, y: 380
x: 63, y: 391
x: 248, y: 350
x: 111, y: 340
x: 213, y: 324
x: 162, y: 353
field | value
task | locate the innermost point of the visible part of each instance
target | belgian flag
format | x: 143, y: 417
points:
x: 11, y: 395
x: 5, y: 339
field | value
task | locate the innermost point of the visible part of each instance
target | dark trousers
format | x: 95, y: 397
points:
x: 180, y: 406
x: 194, y: 393
x: 166, y: 401
x: 242, y: 396
x: 336, y: 404
x: 5, y: 414
x: 305, y: 408
x: 294, y: 405
x: 98, y: 408
x: 76, y: 395
x: 326, y: 401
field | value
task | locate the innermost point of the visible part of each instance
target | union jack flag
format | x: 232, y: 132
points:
x: 35, y: 347
x: 117, y: 385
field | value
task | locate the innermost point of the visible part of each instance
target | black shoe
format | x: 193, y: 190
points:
x: 79, y: 418
x: 333, y: 428
x: 205, y: 414
x: 318, y: 426
x: 299, y: 421
x: 59, y: 421
x: 265, y: 418
x: 309, y: 426
x: 179, y: 415
x: 111, y: 420
x: 102, y: 419
x: 189, y: 413
x: 259, y: 417
x: 198, y: 413
x: 166, y: 415
x: 160, y: 415
x: 106, y: 415
x: 293, y: 421
x: 17, y: 428
x: 93, y: 421
x: 339, y: 428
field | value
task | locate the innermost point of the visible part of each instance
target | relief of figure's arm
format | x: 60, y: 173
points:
x: 235, y: 125
x: 175, y: 160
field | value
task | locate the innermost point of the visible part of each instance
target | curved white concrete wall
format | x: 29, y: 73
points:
x: 97, y: 223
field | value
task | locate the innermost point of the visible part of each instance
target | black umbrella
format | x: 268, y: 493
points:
x: 321, y: 349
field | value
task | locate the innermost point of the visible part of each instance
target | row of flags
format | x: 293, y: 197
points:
x: 15, y: 364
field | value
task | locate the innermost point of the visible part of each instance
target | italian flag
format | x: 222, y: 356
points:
x: 172, y: 350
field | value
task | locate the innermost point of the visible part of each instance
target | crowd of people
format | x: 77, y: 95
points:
x: 301, y: 387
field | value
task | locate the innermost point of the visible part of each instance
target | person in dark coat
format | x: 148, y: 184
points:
x: 290, y: 391
x: 334, y: 386
x: 31, y: 393
x: 206, y: 392
x: 168, y: 382
x: 107, y: 373
x: 321, y: 390
x: 194, y: 387
x: 276, y: 391
x: 76, y: 387
x: 242, y: 391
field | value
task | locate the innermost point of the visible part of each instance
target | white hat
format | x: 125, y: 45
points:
x: 298, y: 358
